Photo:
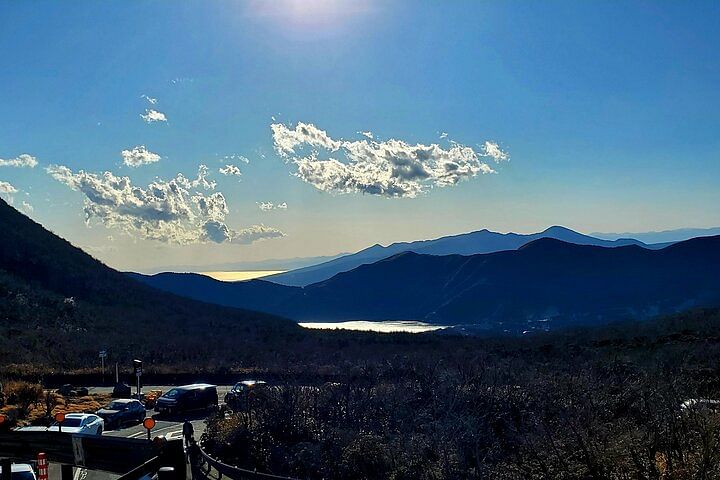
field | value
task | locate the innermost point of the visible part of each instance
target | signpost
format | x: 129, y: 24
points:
x: 137, y: 364
x: 103, y: 356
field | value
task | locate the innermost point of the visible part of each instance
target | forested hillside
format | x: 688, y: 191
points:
x: 59, y: 306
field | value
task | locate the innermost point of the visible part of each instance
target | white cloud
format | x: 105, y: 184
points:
x: 367, y: 134
x: 267, y: 206
x: 152, y: 115
x: 230, y: 170
x: 237, y: 157
x: 139, y: 156
x: 443, y: 135
x: 20, y: 161
x: 286, y: 140
x: 392, y: 168
x: 492, y: 150
x: 174, y: 211
x: 251, y: 234
x: 27, y: 207
x: 7, y: 188
x: 151, y: 100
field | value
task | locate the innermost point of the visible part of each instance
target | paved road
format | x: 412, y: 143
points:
x: 170, y: 428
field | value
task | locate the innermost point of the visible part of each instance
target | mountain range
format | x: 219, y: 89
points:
x: 546, y: 281
x: 482, y: 241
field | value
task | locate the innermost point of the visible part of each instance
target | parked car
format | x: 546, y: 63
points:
x: 151, y: 397
x: 80, y: 423
x: 198, y: 396
x: 68, y: 390
x: 121, y: 390
x: 122, y: 412
x: 239, y: 396
x: 21, y: 471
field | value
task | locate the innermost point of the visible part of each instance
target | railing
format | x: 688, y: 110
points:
x: 236, y: 473
x: 129, y: 457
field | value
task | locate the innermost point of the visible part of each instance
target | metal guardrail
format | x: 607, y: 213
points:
x: 237, y: 473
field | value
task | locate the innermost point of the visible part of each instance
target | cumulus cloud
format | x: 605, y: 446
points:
x: 267, y: 206
x: 230, y: 170
x: 27, y: 207
x: 391, y: 168
x: 151, y: 100
x: 139, y: 156
x: 7, y: 188
x: 492, y: 150
x: 151, y: 115
x: 176, y: 211
x: 21, y: 161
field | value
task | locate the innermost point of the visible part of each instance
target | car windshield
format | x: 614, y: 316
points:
x: 117, y: 406
x: 71, y: 422
x: 22, y: 476
x: 174, y: 393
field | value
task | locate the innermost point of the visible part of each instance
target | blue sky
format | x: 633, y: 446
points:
x: 608, y: 112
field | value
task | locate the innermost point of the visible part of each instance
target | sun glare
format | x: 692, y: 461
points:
x: 307, y: 12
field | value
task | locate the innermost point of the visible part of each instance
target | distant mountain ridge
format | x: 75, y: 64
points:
x: 473, y: 243
x: 544, y: 280
x: 664, y: 236
x: 270, y: 264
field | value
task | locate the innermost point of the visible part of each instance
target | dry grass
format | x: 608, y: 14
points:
x: 58, y: 404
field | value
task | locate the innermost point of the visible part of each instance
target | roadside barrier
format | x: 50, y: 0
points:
x: 42, y: 466
x: 233, y: 472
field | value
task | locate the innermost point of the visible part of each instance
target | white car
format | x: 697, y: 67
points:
x: 21, y: 471
x: 80, y: 423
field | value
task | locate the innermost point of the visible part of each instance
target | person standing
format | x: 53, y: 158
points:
x: 188, y: 432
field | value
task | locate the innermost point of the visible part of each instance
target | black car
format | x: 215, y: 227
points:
x: 240, y: 395
x: 122, y: 412
x: 198, y: 396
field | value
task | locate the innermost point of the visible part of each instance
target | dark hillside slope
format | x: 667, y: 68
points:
x: 58, y: 306
x: 563, y: 283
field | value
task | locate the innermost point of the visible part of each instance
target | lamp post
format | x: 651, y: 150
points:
x: 137, y: 364
x: 103, y: 356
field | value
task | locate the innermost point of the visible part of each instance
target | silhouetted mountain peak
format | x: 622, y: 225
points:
x: 547, y: 243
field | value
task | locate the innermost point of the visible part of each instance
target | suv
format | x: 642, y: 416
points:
x: 21, y: 471
x: 122, y: 412
x: 198, y: 396
x: 239, y: 396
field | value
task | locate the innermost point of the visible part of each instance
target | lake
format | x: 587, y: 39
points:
x: 389, y: 326
x: 237, y: 276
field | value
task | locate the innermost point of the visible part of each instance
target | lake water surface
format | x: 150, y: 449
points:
x: 237, y: 276
x: 383, y: 327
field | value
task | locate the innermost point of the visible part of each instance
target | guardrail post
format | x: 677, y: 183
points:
x: 6, y: 469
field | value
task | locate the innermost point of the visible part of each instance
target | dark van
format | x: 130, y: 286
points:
x: 198, y: 396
